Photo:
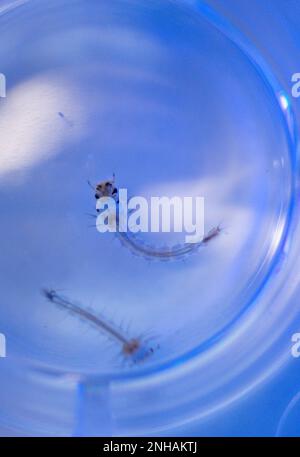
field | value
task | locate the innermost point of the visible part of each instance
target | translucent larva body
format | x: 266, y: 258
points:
x: 138, y: 247
x: 133, y: 348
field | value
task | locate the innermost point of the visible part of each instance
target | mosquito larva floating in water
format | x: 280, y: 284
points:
x: 137, y: 246
x: 134, y: 348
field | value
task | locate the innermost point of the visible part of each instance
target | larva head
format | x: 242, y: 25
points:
x: 106, y: 189
x: 50, y: 294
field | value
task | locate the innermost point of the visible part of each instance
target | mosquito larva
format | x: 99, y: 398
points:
x: 138, y: 247
x: 134, y: 348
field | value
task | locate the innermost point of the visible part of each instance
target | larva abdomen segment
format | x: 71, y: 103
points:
x: 164, y: 254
